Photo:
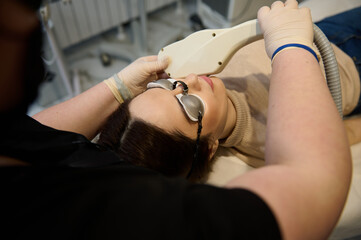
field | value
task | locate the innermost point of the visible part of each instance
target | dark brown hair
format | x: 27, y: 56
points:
x: 144, y: 144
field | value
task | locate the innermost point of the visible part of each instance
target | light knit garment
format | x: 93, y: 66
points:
x: 247, y: 77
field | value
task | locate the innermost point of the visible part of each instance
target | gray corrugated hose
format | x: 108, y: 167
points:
x: 331, y: 67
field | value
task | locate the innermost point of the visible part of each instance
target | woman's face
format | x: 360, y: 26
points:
x: 161, y: 108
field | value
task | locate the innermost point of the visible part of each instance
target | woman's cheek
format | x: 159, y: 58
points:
x: 214, y: 110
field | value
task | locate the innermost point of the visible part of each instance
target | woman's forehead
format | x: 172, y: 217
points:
x: 161, y: 108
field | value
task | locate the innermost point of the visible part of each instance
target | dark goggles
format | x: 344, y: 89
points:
x: 192, y: 104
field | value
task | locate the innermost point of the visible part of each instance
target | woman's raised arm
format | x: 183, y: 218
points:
x: 87, y: 112
x: 308, y: 164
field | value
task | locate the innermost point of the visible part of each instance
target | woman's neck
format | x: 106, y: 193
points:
x: 231, y: 119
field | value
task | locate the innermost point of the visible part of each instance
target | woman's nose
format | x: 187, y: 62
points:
x: 192, y: 82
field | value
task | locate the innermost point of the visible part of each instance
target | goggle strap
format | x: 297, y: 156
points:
x: 196, y: 153
x: 184, y: 85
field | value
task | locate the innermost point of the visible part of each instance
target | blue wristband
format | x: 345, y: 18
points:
x: 295, y: 45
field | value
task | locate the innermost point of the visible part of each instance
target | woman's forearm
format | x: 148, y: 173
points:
x: 84, y: 114
x: 303, y: 120
x: 308, y: 165
x: 87, y: 112
x: 306, y: 133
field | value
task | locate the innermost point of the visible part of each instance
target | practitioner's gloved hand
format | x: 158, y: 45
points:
x: 285, y: 23
x: 143, y: 70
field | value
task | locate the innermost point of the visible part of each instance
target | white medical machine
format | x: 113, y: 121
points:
x: 228, y: 13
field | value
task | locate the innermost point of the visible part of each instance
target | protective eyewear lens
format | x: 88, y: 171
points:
x: 191, y: 103
x: 162, y: 83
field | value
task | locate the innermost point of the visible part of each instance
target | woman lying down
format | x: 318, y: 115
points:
x: 187, y: 119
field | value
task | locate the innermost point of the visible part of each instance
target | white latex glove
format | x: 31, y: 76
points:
x: 143, y: 70
x: 285, y: 23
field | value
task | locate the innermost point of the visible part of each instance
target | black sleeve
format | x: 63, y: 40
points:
x: 126, y: 202
x: 26, y: 139
x: 216, y: 213
x: 102, y: 197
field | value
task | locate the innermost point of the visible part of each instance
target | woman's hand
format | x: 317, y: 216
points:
x: 285, y: 23
x: 141, y: 71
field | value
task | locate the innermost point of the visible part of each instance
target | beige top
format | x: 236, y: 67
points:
x: 247, y: 78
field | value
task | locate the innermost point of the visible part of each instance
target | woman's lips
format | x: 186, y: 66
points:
x: 208, y: 80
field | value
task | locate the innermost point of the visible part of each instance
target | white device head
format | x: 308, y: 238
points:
x: 208, y: 51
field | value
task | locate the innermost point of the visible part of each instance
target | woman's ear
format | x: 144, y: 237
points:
x: 213, y: 148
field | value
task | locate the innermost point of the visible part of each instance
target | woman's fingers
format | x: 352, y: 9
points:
x: 291, y: 4
x: 149, y: 58
x: 262, y: 12
x: 277, y: 4
x: 156, y: 66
